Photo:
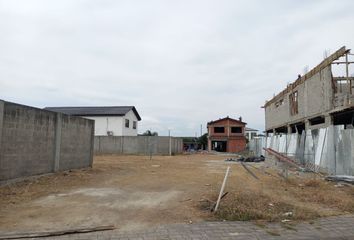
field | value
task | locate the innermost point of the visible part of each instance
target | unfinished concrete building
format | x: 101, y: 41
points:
x: 315, y: 100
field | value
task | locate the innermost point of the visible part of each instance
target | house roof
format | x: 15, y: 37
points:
x: 251, y: 129
x: 96, y: 111
x: 226, y: 118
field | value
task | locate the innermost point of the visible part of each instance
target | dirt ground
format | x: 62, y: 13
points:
x: 134, y: 192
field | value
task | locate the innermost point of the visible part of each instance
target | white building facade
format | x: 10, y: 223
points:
x: 250, y: 133
x: 109, y: 121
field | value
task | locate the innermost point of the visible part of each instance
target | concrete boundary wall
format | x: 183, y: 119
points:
x: 142, y: 145
x: 36, y: 141
x: 328, y: 149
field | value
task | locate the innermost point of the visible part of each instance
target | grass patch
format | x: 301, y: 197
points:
x: 312, y: 183
x: 325, y: 194
x: 258, y: 206
x: 302, y: 196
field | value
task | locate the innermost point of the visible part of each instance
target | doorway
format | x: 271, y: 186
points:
x: 219, y: 146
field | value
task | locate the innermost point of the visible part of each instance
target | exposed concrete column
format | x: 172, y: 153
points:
x: 328, y: 120
x: 307, y: 124
x: 288, y: 129
x: 2, y: 105
x: 57, y: 141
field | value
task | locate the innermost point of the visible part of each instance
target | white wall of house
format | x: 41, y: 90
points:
x: 115, y: 124
x: 132, y: 118
x: 104, y: 124
x: 250, y: 134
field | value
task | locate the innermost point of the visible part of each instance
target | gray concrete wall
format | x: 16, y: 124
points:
x: 34, y: 141
x: 137, y: 145
x: 76, y: 142
x: 315, y: 97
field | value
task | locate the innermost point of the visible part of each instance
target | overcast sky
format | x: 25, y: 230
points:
x: 181, y: 63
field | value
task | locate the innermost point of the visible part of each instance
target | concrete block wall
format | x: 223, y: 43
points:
x: 137, y: 145
x: 76, y: 142
x: 34, y: 141
x: 315, y: 97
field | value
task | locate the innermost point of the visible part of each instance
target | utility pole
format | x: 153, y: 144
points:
x: 201, y: 129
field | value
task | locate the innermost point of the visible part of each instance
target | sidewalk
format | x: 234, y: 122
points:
x: 340, y: 227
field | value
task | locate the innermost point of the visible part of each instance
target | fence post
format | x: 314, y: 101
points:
x: 57, y: 141
x: 169, y: 143
x: 122, y: 144
x: 92, y: 143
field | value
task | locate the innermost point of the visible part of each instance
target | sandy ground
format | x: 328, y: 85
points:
x: 133, y: 192
x: 130, y: 192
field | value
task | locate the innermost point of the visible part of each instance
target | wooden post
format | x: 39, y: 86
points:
x: 222, y: 189
x: 349, y: 83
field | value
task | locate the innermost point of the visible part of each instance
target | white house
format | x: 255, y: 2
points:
x: 109, y: 121
x: 250, y: 133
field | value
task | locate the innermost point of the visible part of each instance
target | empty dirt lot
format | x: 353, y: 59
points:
x: 134, y: 192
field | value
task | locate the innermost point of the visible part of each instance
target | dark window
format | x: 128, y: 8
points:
x: 317, y: 120
x: 279, y: 103
x: 219, y: 129
x: 134, y: 124
x: 127, y: 123
x: 297, y: 127
x: 236, y: 130
x: 293, y: 101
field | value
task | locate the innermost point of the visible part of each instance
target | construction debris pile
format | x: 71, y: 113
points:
x: 341, y: 178
x: 248, y: 159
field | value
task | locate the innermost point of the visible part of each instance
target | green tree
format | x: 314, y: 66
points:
x: 203, y: 140
x: 150, y: 133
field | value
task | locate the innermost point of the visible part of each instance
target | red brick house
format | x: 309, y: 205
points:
x: 226, y: 135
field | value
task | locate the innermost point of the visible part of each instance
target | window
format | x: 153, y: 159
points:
x: 134, y: 124
x: 293, y: 103
x: 279, y: 103
x: 236, y: 130
x: 219, y: 129
x: 127, y: 123
x: 317, y: 120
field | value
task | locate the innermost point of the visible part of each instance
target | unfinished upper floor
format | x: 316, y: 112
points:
x: 226, y: 127
x: 316, y: 99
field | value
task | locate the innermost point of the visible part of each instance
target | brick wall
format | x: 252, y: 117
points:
x: 236, y: 142
x: 236, y: 145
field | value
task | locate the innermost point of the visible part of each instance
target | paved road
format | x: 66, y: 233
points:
x: 341, y: 227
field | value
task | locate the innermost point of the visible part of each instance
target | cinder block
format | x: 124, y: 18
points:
x: 32, y: 144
